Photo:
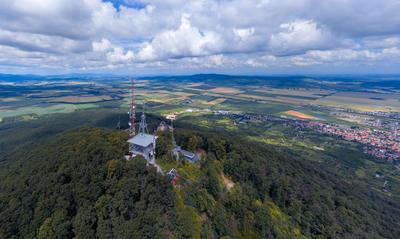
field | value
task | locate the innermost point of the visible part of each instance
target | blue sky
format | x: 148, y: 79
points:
x: 125, y: 3
x: 180, y: 36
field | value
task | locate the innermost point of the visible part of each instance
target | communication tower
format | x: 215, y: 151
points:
x: 132, y: 110
x: 143, y: 124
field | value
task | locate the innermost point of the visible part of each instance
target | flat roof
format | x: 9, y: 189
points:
x: 141, y: 139
x: 187, y: 153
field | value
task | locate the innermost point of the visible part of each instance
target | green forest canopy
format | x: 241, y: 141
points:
x: 77, y: 185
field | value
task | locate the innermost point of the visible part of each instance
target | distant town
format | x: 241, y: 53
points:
x: 381, y: 141
x: 384, y: 144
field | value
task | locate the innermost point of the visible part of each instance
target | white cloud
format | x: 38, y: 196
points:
x: 113, y: 53
x: 102, y: 46
x: 147, y: 52
x: 217, y: 60
x: 118, y: 55
x: 299, y: 36
x: 254, y: 63
x: 93, y: 34
x: 243, y: 33
x: 187, y: 40
x: 347, y: 56
x: 394, y: 51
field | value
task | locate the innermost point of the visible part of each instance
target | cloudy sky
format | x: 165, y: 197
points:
x: 193, y: 36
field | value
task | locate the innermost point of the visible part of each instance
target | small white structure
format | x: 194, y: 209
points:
x: 143, y: 143
x: 189, y: 156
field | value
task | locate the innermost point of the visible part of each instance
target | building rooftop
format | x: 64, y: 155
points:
x: 190, y: 156
x: 142, y: 139
x: 187, y: 153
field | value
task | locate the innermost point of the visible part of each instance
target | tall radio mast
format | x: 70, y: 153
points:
x: 132, y: 110
x: 143, y: 124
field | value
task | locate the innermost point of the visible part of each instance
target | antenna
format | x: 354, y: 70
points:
x: 172, y: 132
x: 176, y: 149
x: 132, y: 110
x: 119, y: 123
x: 143, y: 124
x: 154, y: 145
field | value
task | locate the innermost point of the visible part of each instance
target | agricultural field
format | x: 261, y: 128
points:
x: 298, y: 114
x: 79, y: 99
x: 307, y: 93
x: 363, y: 101
x: 186, y: 95
x: 225, y: 90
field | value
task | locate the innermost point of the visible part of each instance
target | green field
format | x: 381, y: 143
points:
x: 38, y: 110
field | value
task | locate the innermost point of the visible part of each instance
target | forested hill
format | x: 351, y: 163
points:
x: 76, y: 185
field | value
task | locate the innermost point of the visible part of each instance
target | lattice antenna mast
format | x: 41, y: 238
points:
x: 132, y: 110
x: 143, y: 124
x: 119, y: 123
x: 172, y: 132
x: 154, y: 144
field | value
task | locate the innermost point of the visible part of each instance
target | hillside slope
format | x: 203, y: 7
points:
x: 76, y: 185
x: 320, y: 203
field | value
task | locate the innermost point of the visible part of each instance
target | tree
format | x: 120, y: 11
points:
x: 211, y: 178
x: 84, y: 223
x: 164, y: 146
x: 217, y: 146
x: 192, y: 143
x: 56, y: 226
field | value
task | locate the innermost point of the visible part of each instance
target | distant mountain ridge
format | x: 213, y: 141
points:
x: 205, y: 76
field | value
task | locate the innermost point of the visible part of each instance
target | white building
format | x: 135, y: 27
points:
x: 143, y: 143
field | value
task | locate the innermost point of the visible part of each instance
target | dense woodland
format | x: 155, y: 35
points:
x: 77, y: 185
x: 309, y: 198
